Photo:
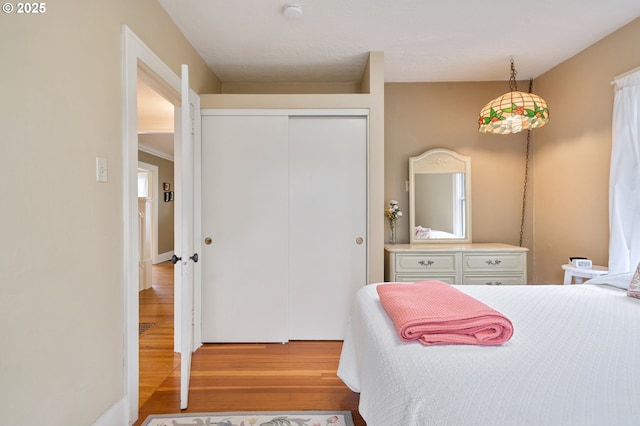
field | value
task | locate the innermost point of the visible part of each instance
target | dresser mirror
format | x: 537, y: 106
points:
x: 440, y: 197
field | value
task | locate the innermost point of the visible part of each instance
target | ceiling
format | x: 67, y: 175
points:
x: 155, y: 122
x: 422, y: 40
x: 155, y: 113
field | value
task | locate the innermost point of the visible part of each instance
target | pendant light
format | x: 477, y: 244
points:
x: 514, y: 111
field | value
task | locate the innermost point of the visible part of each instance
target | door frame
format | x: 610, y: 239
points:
x: 154, y: 171
x: 138, y: 60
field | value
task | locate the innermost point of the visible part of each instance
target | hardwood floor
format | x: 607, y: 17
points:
x: 299, y: 375
x: 157, y: 359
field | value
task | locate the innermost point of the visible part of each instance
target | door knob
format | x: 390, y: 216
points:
x: 175, y: 259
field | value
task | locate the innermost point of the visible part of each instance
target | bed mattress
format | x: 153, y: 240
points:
x: 572, y: 360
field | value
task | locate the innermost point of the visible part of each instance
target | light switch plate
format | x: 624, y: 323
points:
x: 101, y: 170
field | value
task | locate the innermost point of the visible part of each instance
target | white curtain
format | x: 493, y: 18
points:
x: 624, y: 176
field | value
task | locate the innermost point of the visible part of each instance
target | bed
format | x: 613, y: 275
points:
x: 421, y: 233
x: 571, y: 361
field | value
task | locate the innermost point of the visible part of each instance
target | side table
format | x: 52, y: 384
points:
x: 578, y: 274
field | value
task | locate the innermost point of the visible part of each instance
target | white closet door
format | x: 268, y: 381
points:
x: 327, y: 223
x: 244, y: 212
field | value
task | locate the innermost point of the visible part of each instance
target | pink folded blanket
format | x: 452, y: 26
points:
x: 436, y: 313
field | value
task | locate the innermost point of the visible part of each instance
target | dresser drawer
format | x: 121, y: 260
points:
x: 493, y: 262
x: 493, y: 279
x: 426, y: 263
x: 480, y: 264
x: 402, y: 278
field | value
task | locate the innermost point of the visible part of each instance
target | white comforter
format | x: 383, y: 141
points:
x: 574, y: 359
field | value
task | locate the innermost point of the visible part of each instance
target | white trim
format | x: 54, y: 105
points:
x: 153, y: 151
x: 116, y: 415
x: 135, y: 54
x: 289, y: 112
x: 369, y: 245
x: 177, y: 220
x: 197, y: 219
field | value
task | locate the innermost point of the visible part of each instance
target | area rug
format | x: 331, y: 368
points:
x: 267, y: 418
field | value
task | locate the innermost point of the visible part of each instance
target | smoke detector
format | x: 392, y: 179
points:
x: 292, y: 11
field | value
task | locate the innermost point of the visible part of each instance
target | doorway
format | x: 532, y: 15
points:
x: 139, y: 63
x: 156, y: 119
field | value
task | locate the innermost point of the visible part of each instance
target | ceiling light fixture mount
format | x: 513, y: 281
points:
x: 292, y: 11
x: 514, y: 111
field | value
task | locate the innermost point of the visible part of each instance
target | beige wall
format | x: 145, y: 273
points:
x: 165, y: 209
x: 567, y: 205
x: 573, y: 153
x: 422, y: 116
x: 61, y: 282
x: 291, y: 88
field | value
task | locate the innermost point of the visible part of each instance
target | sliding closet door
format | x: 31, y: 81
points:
x: 327, y: 223
x: 244, y: 224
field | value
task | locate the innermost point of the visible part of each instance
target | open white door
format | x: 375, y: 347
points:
x: 186, y: 256
x: 140, y: 60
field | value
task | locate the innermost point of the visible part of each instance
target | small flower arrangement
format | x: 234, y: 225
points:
x: 392, y: 211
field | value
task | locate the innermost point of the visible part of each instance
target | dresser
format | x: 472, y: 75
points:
x: 476, y: 263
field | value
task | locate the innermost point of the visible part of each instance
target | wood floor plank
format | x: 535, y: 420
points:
x: 156, y: 357
x: 299, y: 375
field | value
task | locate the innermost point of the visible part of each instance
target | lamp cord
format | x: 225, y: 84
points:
x: 513, y: 84
x: 526, y: 172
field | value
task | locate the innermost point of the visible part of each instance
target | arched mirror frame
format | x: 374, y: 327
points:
x: 438, y: 161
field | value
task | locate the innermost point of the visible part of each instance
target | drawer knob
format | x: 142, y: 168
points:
x: 493, y: 262
x: 426, y: 263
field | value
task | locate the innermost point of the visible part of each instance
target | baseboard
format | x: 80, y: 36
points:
x: 162, y: 257
x: 116, y: 415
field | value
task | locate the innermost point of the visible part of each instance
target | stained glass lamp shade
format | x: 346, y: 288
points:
x: 513, y: 112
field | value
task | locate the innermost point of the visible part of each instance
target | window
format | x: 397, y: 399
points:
x: 624, y: 176
x: 143, y: 184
